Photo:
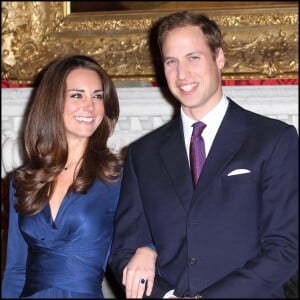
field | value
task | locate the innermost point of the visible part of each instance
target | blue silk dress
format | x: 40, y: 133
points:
x: 65, y: 257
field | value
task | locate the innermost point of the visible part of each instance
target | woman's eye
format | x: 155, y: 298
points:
x: 99, y: 96
x: 77, y: 95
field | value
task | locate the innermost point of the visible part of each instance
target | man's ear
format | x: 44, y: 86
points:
x: 220, y: 58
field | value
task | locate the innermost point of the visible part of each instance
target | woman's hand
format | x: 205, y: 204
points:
x: 139, y: 273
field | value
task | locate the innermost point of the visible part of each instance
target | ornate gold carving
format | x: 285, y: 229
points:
x: 259, y: 43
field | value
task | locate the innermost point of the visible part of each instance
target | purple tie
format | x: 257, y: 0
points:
x: 197, y: 151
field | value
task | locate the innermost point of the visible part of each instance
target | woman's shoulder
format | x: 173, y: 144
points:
x: 108, y: 186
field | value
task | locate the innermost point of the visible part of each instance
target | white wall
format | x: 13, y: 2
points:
x: 143, y: 109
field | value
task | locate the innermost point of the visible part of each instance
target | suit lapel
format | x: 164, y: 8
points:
x: 230, y: 137
x: 174, y: 156
x: 228, y: 140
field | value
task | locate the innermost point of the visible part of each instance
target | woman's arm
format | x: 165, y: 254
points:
x: 16, y: 255
x: 139, y: 273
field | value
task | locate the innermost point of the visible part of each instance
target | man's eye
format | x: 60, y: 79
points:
x: 170, y: 62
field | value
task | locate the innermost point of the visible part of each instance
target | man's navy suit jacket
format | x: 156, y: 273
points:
x: 233, y: 236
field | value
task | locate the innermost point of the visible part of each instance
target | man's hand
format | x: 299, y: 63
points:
x: 139, y: 273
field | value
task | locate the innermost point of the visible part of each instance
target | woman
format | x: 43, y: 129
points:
x: 63, y: 200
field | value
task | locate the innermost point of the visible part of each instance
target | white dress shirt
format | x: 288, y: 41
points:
x: 212, y: 120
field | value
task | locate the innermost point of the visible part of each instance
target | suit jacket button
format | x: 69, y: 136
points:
x: 193, y: 260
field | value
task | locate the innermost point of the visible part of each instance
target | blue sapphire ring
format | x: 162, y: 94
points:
x: 142, y: 281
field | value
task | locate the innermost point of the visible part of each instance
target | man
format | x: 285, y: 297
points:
x: 233, y: 233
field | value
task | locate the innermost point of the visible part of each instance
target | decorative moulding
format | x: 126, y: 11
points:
x: 260, y: 38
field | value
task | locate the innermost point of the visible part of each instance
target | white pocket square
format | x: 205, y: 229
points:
x: 238, y: 171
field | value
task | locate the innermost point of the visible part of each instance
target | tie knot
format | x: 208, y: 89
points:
x: 198, y: 128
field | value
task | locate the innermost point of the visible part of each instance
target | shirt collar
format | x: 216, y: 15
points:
x: 211, y: 119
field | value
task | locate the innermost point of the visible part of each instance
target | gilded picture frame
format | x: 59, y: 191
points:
x: 260, y: 40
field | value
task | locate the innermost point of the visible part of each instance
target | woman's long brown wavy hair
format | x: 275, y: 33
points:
x: 45, y: 143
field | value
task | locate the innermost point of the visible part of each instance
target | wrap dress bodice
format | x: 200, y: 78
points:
x: 65, y: 257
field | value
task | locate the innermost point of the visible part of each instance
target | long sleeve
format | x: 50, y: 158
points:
x: 131, y: 230
x: 129, y: 223
x: 16, y: 255
x: 278, y: 258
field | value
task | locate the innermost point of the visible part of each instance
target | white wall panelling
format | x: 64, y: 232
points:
x: 143, y: 109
